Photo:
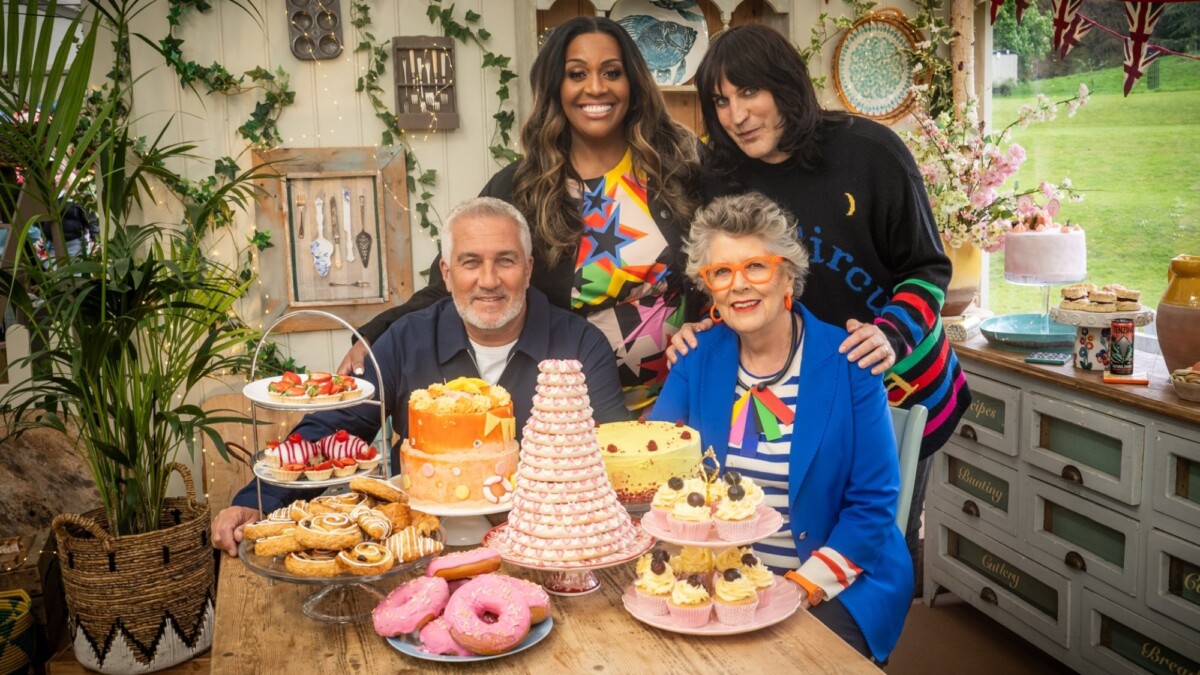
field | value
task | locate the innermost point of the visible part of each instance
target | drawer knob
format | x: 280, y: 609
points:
x: 1072, y: 473
x: 1075, y: 561
x: 988, y: 595
x: 968, y: 432
x: 970, y: 508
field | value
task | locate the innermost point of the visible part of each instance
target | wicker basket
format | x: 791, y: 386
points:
x: 143, y: 602
x: 16, y: 631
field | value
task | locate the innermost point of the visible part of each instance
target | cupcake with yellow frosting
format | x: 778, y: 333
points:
x: 693, y: 560
x: 691, y: 518
x: 735, y: 598
x: 667, y: 494
x: 690, y: 605
x: 758, y: 574
x: 736, y: 516
x: 654, y: 583
x: 731, y: 557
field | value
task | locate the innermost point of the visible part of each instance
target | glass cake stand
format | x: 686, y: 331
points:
x: 345, y: 598
x: 567, y: 578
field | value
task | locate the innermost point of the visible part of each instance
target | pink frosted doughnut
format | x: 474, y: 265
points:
x: 456, y: 584
x: 436, y: 639
x: 463, y: 564
x: 410, y: 606
x: 486, y: 617
x: 533, y: 595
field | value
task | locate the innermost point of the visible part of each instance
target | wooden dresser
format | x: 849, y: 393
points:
x: 1069, y: 511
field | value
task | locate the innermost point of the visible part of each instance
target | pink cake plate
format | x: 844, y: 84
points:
x: 769, y: 520
x: 570, y: 578
x: 785, y: 600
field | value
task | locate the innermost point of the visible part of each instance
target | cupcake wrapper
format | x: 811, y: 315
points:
x: 690, y: 530
x: 736, y: 615
x: 650, y: 604
x: 736, y: 530
x: 764, y: 596
x: 690, y: 617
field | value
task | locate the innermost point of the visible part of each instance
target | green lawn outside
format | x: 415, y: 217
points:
x: 1137, y: 159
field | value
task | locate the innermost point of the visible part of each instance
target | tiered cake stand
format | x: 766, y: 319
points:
x: 567, y: 578
x: 342, y: 599
x: 785, y: 595
x: 1092, y: 332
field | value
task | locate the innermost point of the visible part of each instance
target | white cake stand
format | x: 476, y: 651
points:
x: 464, y: 527
x: 571, y: 578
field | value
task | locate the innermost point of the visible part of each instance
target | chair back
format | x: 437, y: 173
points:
x: 909, y: 426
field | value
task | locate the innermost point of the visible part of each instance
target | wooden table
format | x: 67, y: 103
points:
x: 260, y: 628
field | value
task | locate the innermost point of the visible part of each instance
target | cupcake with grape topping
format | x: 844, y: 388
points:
x: 655, y: 581
x: 731, y: 557
x: 758, y: 574
x: 753, y: 493
x: 691, y: 518
x: 690, y: 605
x: 735, y: 598
x: 667, y: 494
x: 736, y: 517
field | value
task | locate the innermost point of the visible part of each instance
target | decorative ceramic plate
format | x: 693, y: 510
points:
x: 785, y: 600
x: 408, y: 645
x: 1074, y: 317
x: 262, y: 469
x: 1026, y: 331
x: 672, y: 35
x: 257, y: 391
x: 769, y: 521
x: 872, y: 70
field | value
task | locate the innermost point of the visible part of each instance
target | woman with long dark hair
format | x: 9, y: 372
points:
x: 608, y: 184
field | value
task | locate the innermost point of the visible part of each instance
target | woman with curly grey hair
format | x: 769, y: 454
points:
x: 769, y: 392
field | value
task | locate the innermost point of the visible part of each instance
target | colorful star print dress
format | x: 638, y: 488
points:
x: 623, y: 283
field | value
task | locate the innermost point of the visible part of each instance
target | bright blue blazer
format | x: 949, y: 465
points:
x: 844, y: 471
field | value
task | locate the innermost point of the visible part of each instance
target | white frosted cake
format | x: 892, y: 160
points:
x: 1045, y: 256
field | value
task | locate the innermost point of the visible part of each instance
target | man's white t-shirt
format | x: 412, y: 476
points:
x: 491, y: 360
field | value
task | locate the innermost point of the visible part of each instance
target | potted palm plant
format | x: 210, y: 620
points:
x: 120, y: 337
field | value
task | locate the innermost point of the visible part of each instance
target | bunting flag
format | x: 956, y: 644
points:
x: 758, y: 411
x: 1065, y: 14
x: 996, y: 5
x: 1080, y: 26
x: 1022, y: 5
x: 1138, y: 55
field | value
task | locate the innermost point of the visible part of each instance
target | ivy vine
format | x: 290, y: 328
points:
x: 421, y: 182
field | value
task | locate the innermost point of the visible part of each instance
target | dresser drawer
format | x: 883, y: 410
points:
x: 1087, y: 540
x: 1118, y: 641
x: 1176, y: 488
x: 994, y: 416
x: 1173, y: 578
x: 1024, y: 596
x: 1084, y: 447
x: 976, y: 488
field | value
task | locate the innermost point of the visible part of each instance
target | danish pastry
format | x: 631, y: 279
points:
x: 312, y: 563
x: 328, y: 531
x: 268, y: 527
x: 366, y: 558
x: 343, y: 503
x: 408, y: 545
x: 425, y: 523
x: 299, y: 510
x: 278, y: 544
x: 378, y: 488
x: 377, y: 525
x: 398, y: 513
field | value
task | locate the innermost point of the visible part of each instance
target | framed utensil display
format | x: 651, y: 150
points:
x: 872, y: 69
x: 338, y: 220
x: 426, y: 96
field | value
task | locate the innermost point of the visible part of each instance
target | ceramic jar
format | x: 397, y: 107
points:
x: 967, y: 264
x: 1178, y: 319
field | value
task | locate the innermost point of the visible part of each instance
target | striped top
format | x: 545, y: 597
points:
x: 768, y: 468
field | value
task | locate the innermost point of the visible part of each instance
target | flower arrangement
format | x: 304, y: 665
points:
x: 965, y: 170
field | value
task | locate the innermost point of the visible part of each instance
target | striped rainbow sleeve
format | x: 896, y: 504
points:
x: 912, y: 313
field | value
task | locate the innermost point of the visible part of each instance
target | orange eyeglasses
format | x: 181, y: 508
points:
x: 756, y: 270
